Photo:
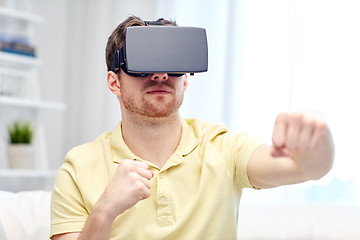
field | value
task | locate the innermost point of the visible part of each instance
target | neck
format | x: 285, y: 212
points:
x: 154, y: 140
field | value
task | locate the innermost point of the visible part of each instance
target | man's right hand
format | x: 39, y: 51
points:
x: 130, y: 184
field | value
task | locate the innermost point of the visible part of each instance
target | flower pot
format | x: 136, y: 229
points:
x: 21, y: 156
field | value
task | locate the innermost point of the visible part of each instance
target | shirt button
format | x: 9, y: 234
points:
x: 162, y: 200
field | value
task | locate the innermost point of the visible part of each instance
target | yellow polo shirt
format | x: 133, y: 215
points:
x: 194, y: 196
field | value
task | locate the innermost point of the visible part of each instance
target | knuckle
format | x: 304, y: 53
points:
x: 297, y: 117
x: 133, y: 177
x: 138, y: 186
x: 321, y: 128
x: 309, y: 121
x: 129, y: 168
x: 147, y: 194
x: 321, y: 125
x: 281, y: 116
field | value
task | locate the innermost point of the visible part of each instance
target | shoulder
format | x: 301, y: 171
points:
x: 80, y: 162
x: 88, y: 151
x: 213, y: 132
x: 219, y: 135
x: 205, y: 129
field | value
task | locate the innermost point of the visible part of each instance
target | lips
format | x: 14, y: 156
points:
x: 158, y: 90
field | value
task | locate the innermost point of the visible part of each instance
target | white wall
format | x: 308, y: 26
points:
x: 271, y: 43
x: 92, y: 109
x: 51, y: 39
x: 71, y: 44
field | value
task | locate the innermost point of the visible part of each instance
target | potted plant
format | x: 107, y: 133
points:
x: 20, y: 148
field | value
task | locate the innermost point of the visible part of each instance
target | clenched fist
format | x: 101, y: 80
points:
x: 302, y: 150
x: 130, y: 184
x: 306, y: 138
x: 298, y: 132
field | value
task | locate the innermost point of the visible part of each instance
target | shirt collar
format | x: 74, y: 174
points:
x: 119, y: 148
x: 188, y: 142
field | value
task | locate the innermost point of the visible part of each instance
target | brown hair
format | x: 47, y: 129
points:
x: 117, y: 37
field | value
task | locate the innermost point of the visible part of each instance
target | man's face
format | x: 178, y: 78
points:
x: 157, y: 95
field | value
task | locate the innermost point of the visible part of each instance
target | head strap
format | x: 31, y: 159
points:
x: 147, y: 23
x: 118, y: 59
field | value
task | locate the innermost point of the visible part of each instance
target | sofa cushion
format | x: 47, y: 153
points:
x: 25, y: 215
x: 298, y: 222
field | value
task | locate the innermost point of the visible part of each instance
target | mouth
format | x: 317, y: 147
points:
x: 158, y: 91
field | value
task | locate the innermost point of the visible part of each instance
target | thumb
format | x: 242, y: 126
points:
x: 279, y: 152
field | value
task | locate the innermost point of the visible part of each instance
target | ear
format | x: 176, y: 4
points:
x: 185, y: 82
x: 113, y: 83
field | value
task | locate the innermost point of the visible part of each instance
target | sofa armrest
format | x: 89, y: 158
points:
x: 2, y: 232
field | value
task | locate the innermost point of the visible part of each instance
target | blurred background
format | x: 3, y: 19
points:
x: 264, y: 57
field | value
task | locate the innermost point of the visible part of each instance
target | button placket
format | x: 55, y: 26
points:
x: 164, y: 211
x: 162, y: 200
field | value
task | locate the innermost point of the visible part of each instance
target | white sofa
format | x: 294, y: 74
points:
x: 26, y: 215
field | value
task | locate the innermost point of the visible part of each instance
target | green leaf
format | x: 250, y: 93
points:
x: 20, y: 133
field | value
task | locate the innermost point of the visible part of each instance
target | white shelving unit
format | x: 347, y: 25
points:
x: 23, y: 102
x: 20, y: 100
x: 20, y: 14
x: 13, y: 60
x: 23, y: 173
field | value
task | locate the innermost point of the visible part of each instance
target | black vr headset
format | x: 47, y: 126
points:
x: 169, y: 49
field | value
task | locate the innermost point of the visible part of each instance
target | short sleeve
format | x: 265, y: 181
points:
x: 244, y: 147
x: 68, y: 211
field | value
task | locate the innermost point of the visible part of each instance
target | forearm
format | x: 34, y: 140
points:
x: 267, y: 170
x: 271, y: 167
x: 98, y: 225
x: 130, y: 184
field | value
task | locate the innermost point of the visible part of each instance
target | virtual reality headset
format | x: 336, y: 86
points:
x: 170, y: 49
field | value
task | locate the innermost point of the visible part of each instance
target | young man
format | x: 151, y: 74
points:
x: 158, y: 176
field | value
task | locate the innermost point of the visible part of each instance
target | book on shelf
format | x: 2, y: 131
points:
x: 17, y: 45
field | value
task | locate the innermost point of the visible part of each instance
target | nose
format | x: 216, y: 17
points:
x: 161, y: 77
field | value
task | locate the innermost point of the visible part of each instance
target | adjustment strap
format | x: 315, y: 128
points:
x: 147, y: 23
x: 118, y: 59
